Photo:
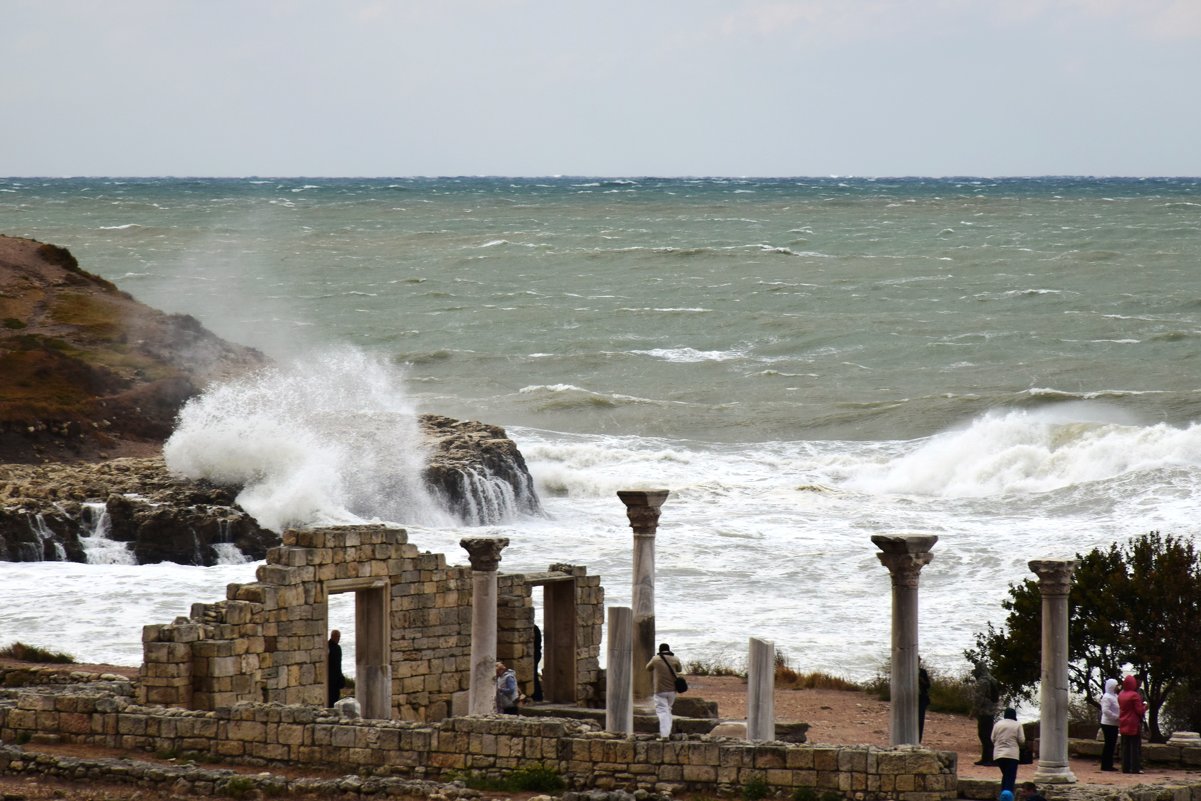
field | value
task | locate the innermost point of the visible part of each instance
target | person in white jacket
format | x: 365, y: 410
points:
x: 1007, y: 741
x: 1109, y: 723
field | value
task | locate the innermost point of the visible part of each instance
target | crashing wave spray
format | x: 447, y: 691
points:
x: 328, y: 440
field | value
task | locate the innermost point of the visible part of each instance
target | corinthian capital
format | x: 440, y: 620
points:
x: 484, y: 552
x: 1054, y: 575
x: 905, y: 555
x: 642, y: 508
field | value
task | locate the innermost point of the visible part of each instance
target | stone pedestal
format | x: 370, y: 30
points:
x: 484, y: 553
x: 619, y: 679
x: 1054, y: 583
x: 904, y: 555
x: 642, y: 508
x: 760, y: 694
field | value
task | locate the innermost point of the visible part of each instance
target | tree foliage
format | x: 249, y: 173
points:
x: 1136, y: 605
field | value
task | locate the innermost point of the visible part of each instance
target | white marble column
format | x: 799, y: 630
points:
x: 761, y: 688
x: 619, y: 680
x: 484, y: 553
x: 904, y: 555
x: 642, y: 508
x: 1054, y: 584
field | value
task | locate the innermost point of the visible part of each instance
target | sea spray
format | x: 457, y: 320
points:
x: 329, y: 439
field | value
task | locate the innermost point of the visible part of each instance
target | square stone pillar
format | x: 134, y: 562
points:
x: 619, y: 684
x: 642, y: 508
x: 1054, y: 584
x: 904, y: 555
x: 484, y: 553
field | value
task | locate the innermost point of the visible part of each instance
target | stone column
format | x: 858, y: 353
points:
x: 1054, y: 583
x: 484, y: 553
x: 904, y: 555
x: 619, y: 684
x: 642, y: 507
x: 761, y: 687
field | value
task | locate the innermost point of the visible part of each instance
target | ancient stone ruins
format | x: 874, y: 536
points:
x: 243, y: 680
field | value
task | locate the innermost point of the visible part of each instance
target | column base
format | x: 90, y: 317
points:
x: 1053, y: 774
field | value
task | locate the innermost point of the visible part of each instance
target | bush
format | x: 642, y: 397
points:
x: 32, y: 653
x: 538, y: 779
x: 755, y: 789
x: 951, y: 695
x: 712, y: 667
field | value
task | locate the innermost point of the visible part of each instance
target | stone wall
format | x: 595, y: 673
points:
x: 265, y: 734
x: 267, y: 641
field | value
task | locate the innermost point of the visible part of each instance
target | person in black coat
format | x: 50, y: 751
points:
x: 336, y: 680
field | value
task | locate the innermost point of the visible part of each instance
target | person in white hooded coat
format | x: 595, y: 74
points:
x: 1109, y: 723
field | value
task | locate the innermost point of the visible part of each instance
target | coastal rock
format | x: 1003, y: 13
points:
x: 88, y: 371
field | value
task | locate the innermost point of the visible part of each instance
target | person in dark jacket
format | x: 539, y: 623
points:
x: 336, y: 681
x: 923, y: 699
x: 1131, y: 708
x: 986, y: 691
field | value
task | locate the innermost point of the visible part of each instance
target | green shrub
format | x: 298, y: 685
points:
x: 538, y: 779
x: 238, y: 787
x: 804, y: 794
x: 32, y: 653
x: 712, y: 667
x: 755, y: 788
x: 948, y: 694
x: 13, y: 323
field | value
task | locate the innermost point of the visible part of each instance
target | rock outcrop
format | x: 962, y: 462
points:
x: 88, y: 371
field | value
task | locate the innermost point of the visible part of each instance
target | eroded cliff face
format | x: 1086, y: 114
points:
x: 88, y: 373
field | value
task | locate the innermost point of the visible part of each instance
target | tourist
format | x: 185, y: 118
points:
x: 1007, y: 741
x: 537, y: 660
x: 336, y: 680
x: 1030, y: 792
x: 664, y: 666
x: 923, y: 698
x: 506, y: 690
x: 1109, y: 723
x: 1005, y: 796
x: 1131, y: 708
x: 985, y: 694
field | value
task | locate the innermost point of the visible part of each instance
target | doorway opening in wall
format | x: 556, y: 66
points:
x: 363, y: 618
x: 558, y: 630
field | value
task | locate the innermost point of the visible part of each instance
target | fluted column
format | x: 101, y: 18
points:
x: 619, y: 698
x: 761, y: 688
x: 1054, y: 584
x: 642, y: 508
x: 484, y: 553
x: 904, y: 555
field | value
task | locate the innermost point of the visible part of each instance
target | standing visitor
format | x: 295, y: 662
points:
x: 1131, y: 708
x: 985, y: 694
x: 1007, y: 740
x: 1110, y: 712
x: 665, y: 667
x: 506, y: 690
x: 336, y: 681
x: 537, y: 659
x: 923, y: 698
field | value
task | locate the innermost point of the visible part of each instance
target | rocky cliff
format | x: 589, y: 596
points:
x: 87, y: 373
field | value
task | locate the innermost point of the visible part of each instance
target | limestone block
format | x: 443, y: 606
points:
x: 152, y: 633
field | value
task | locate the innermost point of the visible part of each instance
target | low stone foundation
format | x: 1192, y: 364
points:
x: 267, y: 734
x: 1174, y: 756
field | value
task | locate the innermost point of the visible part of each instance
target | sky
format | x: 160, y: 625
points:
x: 600, y: 87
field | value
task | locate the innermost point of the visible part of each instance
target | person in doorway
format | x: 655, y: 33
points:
x: 506, y: 690
x: 664, y: 667
x: 1110, y: 717
x: 537, y: 659
x: 1131, y: 708
x: 1030, y: 792
x: 1007, y: 740
x: 336, y: 681
x: 986, y: 691
x: 923, y: 698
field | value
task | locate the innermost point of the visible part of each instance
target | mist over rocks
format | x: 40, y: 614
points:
x: 88, y: 373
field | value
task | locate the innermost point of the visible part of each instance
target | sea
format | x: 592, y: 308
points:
x: 1011, y: 364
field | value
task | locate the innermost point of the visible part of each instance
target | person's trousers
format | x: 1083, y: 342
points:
x: 1111, y: 745
x: 1132, y: 753
x: 921, y: 718
x: 984, y: 732
x: 1009, y: 772
x: 663, y: 702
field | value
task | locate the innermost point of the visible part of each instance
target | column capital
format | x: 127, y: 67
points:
x: 642, y: 508
x: 484, y: 552
x: 905, y: 555
x: 1054, y: 575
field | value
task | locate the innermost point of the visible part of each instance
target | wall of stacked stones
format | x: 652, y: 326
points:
x: 266, y: 642
x: 264, y: 734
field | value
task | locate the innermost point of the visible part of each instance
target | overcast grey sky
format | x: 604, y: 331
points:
x: 604, y: 87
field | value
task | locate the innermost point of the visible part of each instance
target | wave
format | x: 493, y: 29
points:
x: 330, y: 439
x: 690, y: 355
x: 125, y: 227
x: 1027, y: 452
x: 569, y: 396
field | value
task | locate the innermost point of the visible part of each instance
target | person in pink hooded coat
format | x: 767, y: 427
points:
x: 1131, y: 708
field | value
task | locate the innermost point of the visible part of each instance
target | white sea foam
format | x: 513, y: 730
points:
x: 688, y: 355
x: 329, y: 439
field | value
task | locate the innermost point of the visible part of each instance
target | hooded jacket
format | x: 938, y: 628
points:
x: 506, y: 689
x: 1109, y: 703
x: 1131, y: 708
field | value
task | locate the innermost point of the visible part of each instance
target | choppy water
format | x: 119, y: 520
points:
x: 1011, y: 364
